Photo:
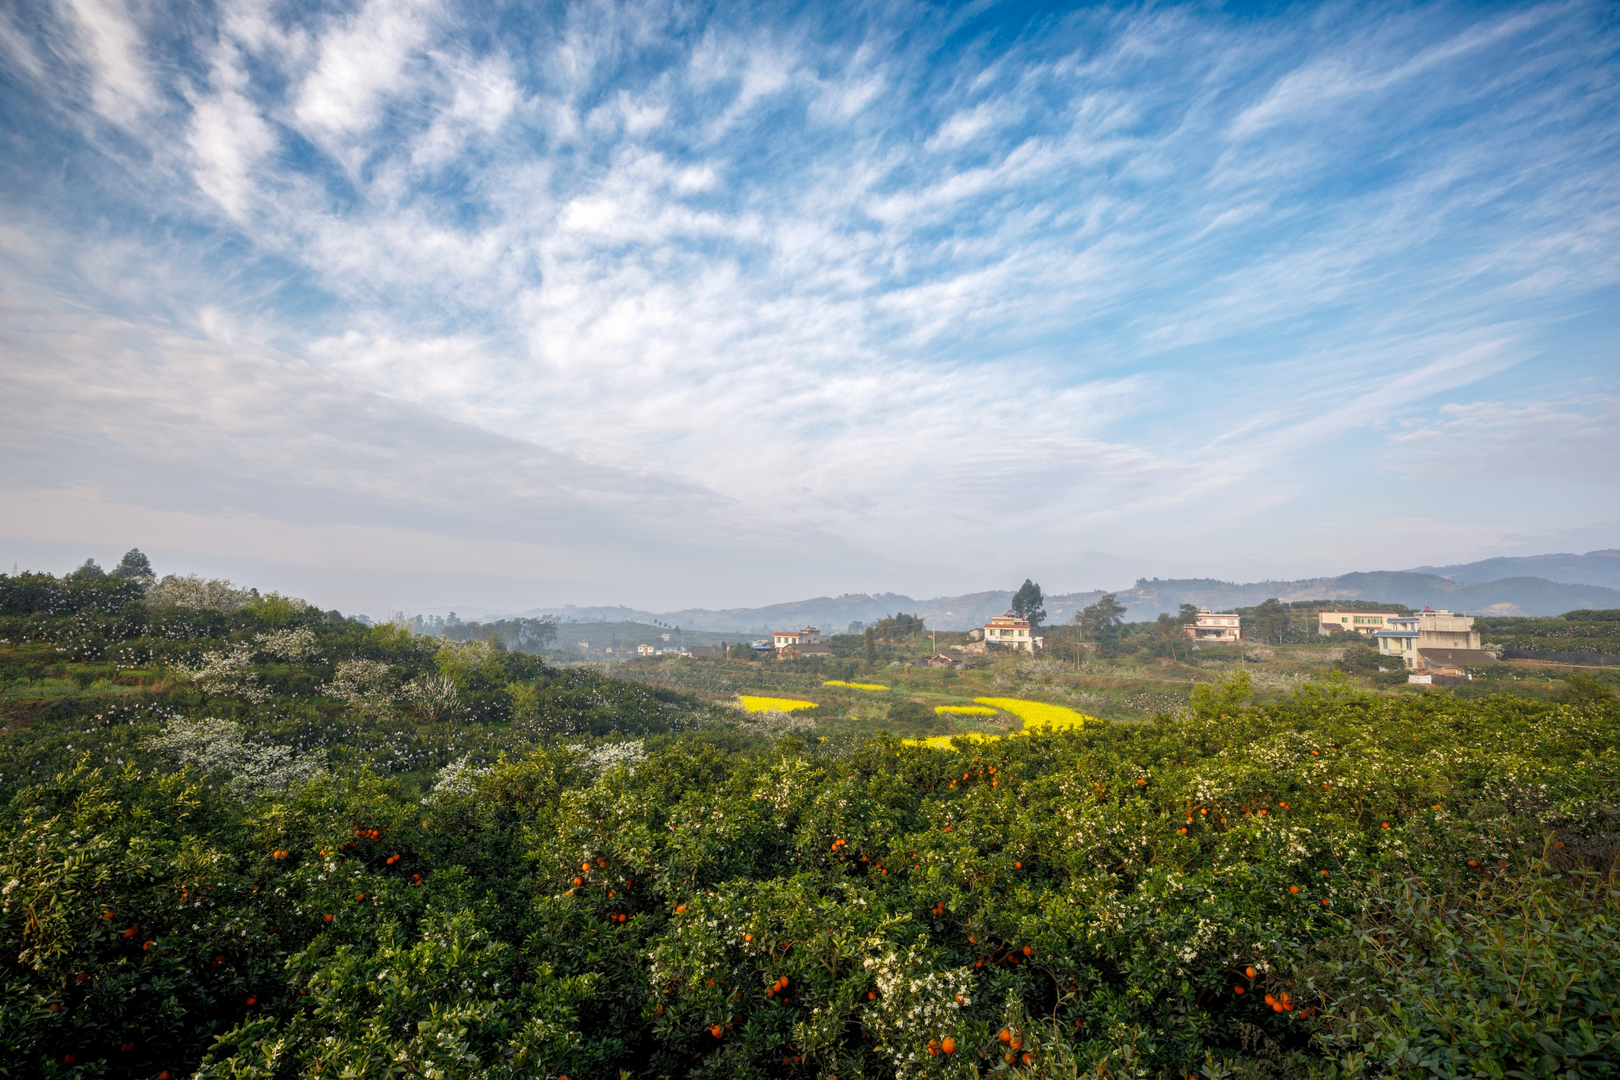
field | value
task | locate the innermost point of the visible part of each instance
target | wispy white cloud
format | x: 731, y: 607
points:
x: 1087, y: 275
x: 1560, y: 440
x: 110, y: 46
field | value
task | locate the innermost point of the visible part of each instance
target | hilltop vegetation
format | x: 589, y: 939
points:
x: 273, y: 842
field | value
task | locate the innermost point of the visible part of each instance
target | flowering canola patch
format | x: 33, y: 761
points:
x: 855, y: 685
x: 773, y: 704
x: 1036, y: 715
x: 964, y: 710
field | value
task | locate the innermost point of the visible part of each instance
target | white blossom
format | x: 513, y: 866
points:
x: 296, y: 644
x: 434, y: 696
x: 608, y: 755
x: 215, y: 745
x: 193, y: 592
x: 228, y: 673
x: 363, y: 684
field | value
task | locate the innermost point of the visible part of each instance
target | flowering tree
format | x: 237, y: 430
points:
x: 295, y: 644
x: 195, y: 593
x: 365, y: 684
x: 225, y: 674
x: 433, y: 696
x: 215, y: 745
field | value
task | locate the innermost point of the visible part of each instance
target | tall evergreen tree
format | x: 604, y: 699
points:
x: 1028, y: 603
x: 134, y: 565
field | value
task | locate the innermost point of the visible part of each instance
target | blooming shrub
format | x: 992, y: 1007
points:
x: 225, y: 673
x: 365, y: 684
x: 616, y: 755
x: 218, y: 746
x: 295, y: 644
x: 195, y: 593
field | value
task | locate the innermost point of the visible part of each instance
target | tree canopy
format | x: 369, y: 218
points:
x: 1099, y: 620
x: 1028, y: 603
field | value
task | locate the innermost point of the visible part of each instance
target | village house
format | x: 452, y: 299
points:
x: 800, y: 651
x: 1011, y: 631
x: 781, y: 639
x: 1216, y: 628
x: 1363, y: 622
x: 1434, y: 642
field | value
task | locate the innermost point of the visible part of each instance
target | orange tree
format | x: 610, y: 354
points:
x: 1237, y: 888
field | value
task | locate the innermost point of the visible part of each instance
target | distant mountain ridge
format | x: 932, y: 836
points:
x: 1504, y: 596
x: 1593, y: 568
x: 1518, y: 595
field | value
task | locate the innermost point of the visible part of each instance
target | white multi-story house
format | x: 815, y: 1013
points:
x: 1216, y: 627
x: 1363, y: 622
x: 781, y: 639
x: 1011, y: 631
x: 1433, y: 640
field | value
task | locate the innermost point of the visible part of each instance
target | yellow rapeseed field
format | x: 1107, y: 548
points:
x: 1037, y: 715
x: 855, y: 685
x: 964, y: 710
x: 773, y: 704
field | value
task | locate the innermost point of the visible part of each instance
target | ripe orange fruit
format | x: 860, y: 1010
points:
x: 949, y: 1045
x: 715, y: 1030
x: 1249, y: 971
x: 1006, y: 1035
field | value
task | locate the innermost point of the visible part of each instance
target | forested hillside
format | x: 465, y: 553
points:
x: 255, y: 839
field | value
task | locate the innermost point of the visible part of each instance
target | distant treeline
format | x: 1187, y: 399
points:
x: 518, y: 635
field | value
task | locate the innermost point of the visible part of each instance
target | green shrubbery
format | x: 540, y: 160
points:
x: 1331, y: 884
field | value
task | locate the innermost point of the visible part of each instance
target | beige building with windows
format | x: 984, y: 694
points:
x: 1216, y: 628
x: 781, y: 639
x: 1363, y: 622
x: 1436, y: 641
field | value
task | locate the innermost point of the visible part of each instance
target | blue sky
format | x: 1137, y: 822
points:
x: 424, y: 304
